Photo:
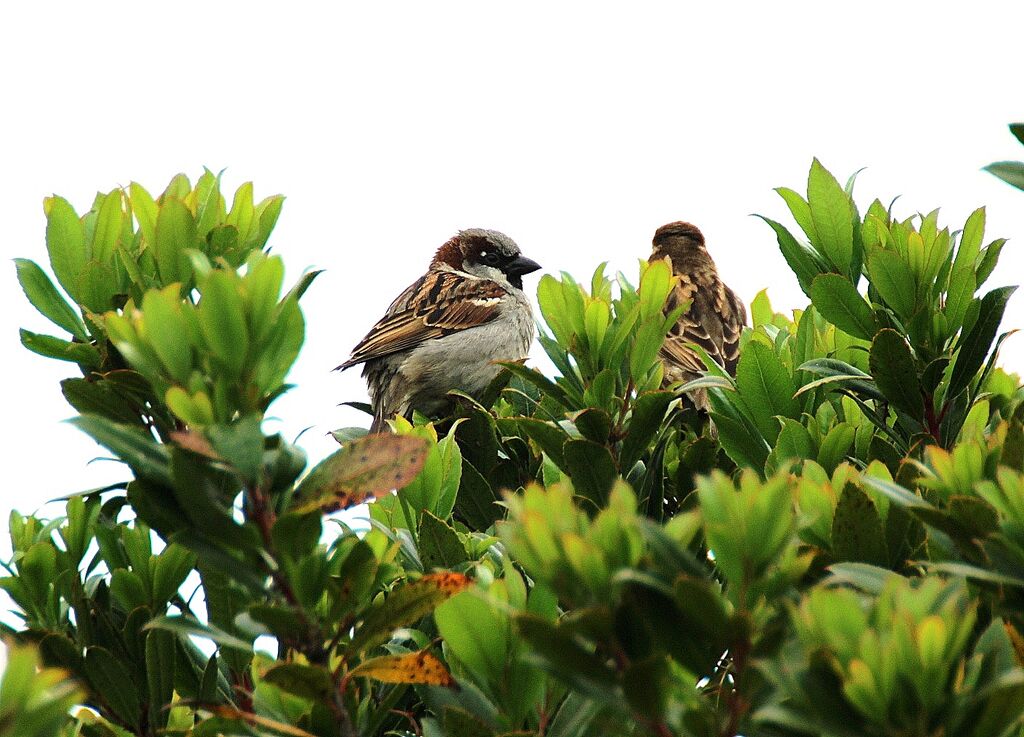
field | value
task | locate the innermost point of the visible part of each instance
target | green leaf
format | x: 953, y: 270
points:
x: 800, y: 210
x: 167, y: 331
x: 740, y: 445
x: 989, y: 259
x: 655, y: 285
x: 160, y: 664
x: 832, y: 215
x: 175, y: 231
x: 868, y: 578
x: 311, y: 682
x: 896, y: 493
x: 895, y: 372
x: 836, y: 445
x: 594, y: 424
x: 647, y: 685
x: 894, y: 281
x: 970, y: 240
x: 439, y: 544
x: 63, y: 350
x: 591, y: 468
x: 976, y: 344
x: 222, y: 320
x: 170, y: 569
x: 958, y: 297
x: 792, y: 443
x: 269, y: 210
x: 109, y: 223
x: 1011, y: 172
x: 648, y: 412
x: 45, y: 298
x: 108, y: 676
x: 370, y: 466
x: 857, y: 533
x: 548, y: 436
x: 405, y: 605
x: 145, y: 211
x: 146, y: 457
x: 644, y: 353
x: 559, y: 652
x: 766, y: 388
x: 477, y: 633
x: 65, y: 243
x: 841, y: 304
x: 476, y: 503
x: 241, y: 444
x: 182, y: 625
x: 804, y: 263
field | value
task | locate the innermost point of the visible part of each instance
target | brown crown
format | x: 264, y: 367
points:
x: 678, y: 229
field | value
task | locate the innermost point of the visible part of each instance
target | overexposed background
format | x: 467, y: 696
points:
x: 577, y: 128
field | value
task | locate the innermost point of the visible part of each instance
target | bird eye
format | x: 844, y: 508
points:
x: 491, y: 259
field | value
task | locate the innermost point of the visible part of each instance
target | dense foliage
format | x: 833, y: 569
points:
x: 840, y: 551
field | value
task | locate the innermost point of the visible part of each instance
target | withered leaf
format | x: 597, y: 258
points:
x: 365, y: 468
x: 418, y: 667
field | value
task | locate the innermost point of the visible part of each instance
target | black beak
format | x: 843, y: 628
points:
x: 521, y: 265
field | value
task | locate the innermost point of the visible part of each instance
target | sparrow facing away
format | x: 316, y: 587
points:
x: 446, y: 330
x: 714, y: 319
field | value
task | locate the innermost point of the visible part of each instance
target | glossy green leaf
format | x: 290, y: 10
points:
x: 857, y: 533
x: 63, y: 350
x: 804, y: 263
x: 832, y: 215
x: 591, y: 468
x: 648, y: 412
x: 893, y: 280
x: 311, y: 682
x: 175, y: 230
x: 895, y: 373
x: 160, y: 665
x: 44, y: 297
x: 766, y: 387
x: 146, y: 457
x: 841, y: 304
x: 109, y: 225
x: 439, y: 544
x: 65, y: 243
x: 222, y: 320
x: 109, y: 676
x: 975, y: 345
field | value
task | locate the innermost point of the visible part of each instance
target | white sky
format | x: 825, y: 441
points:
x: 573, y: 127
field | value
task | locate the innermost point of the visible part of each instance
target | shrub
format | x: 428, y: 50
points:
x: 839, y: 553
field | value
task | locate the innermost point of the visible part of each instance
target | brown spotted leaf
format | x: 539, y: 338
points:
x: 406, y: 605
x: 419, y: 667
x: 368, y: 467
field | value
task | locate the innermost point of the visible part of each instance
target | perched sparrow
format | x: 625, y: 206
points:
x: 716, y: 315
x: 447, y: 330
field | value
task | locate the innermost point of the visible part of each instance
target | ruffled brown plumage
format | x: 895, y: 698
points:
x: 715, y: 317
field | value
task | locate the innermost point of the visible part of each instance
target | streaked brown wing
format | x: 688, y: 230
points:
x: 714, y: 322
x: 734, y: 318
x: 441, y: 303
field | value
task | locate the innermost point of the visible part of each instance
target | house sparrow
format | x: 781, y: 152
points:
x: 714, y: 319
x: 448, y: 329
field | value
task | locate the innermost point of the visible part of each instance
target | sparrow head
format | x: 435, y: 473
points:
x: 487, y: 254
x: 678, y: 240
